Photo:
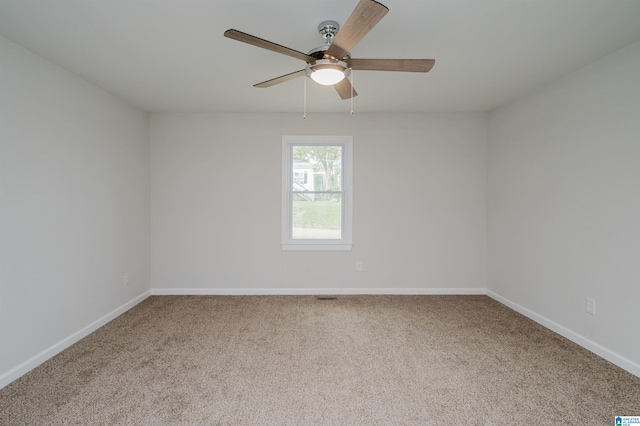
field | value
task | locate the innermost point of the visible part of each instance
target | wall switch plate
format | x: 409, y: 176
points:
x: 591, y: 306
x: 126, y: 278
x: 359, y: 266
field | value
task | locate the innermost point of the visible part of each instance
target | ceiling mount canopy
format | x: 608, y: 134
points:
x: 328, y: 30
x: 331, y: 63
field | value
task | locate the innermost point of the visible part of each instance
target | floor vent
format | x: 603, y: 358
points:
x: 327, y: 298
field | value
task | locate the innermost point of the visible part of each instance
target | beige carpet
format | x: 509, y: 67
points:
x: 274, y: 360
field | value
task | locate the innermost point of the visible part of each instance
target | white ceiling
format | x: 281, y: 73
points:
x: 170, y: 55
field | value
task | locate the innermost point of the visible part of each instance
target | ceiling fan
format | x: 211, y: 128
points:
x: 332, y: 62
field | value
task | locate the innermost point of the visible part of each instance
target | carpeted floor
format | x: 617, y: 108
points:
x: 277, y: 360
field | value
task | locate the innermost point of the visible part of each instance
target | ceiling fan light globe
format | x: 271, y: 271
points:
x: 328, y: 72
x: 327, y: 76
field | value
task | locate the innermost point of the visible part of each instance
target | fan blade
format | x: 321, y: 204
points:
x: 363, y: 18
x: 344, y: 89
x: 406, y: 65
x: 265, y: 44
x: 280, y: 79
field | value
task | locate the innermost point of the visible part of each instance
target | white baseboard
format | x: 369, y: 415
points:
x: 590, y: 345
x: 310, y: 291
x: 50, y: 352
x: 38, y: 359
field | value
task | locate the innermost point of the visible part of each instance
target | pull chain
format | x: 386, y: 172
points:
x: 304, y: 99
x: 351, y: 91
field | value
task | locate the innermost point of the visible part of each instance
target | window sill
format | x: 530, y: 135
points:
x: 316, y: 247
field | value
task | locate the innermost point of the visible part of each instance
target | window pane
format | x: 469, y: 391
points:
x: 316, y: 216
x: 317, y: 168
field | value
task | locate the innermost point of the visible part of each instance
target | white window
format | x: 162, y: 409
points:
x: 300, y: 177
x: 316, y: 192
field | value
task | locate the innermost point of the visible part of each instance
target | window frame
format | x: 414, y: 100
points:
x: 346, y: 242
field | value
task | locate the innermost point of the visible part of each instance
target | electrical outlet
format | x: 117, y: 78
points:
x: 359, y: 266
x: 126, y: 279
x: 591, y: 306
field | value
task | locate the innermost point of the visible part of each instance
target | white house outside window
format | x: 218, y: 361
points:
x: 317, y: 192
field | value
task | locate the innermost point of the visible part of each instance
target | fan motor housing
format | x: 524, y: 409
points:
x: 328, y: 30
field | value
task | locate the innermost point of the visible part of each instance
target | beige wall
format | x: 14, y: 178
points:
x: 564, y: 205
x: 419, y: 204
x: 74, y: 206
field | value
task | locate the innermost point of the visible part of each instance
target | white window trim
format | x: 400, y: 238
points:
x: 347, y: 204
